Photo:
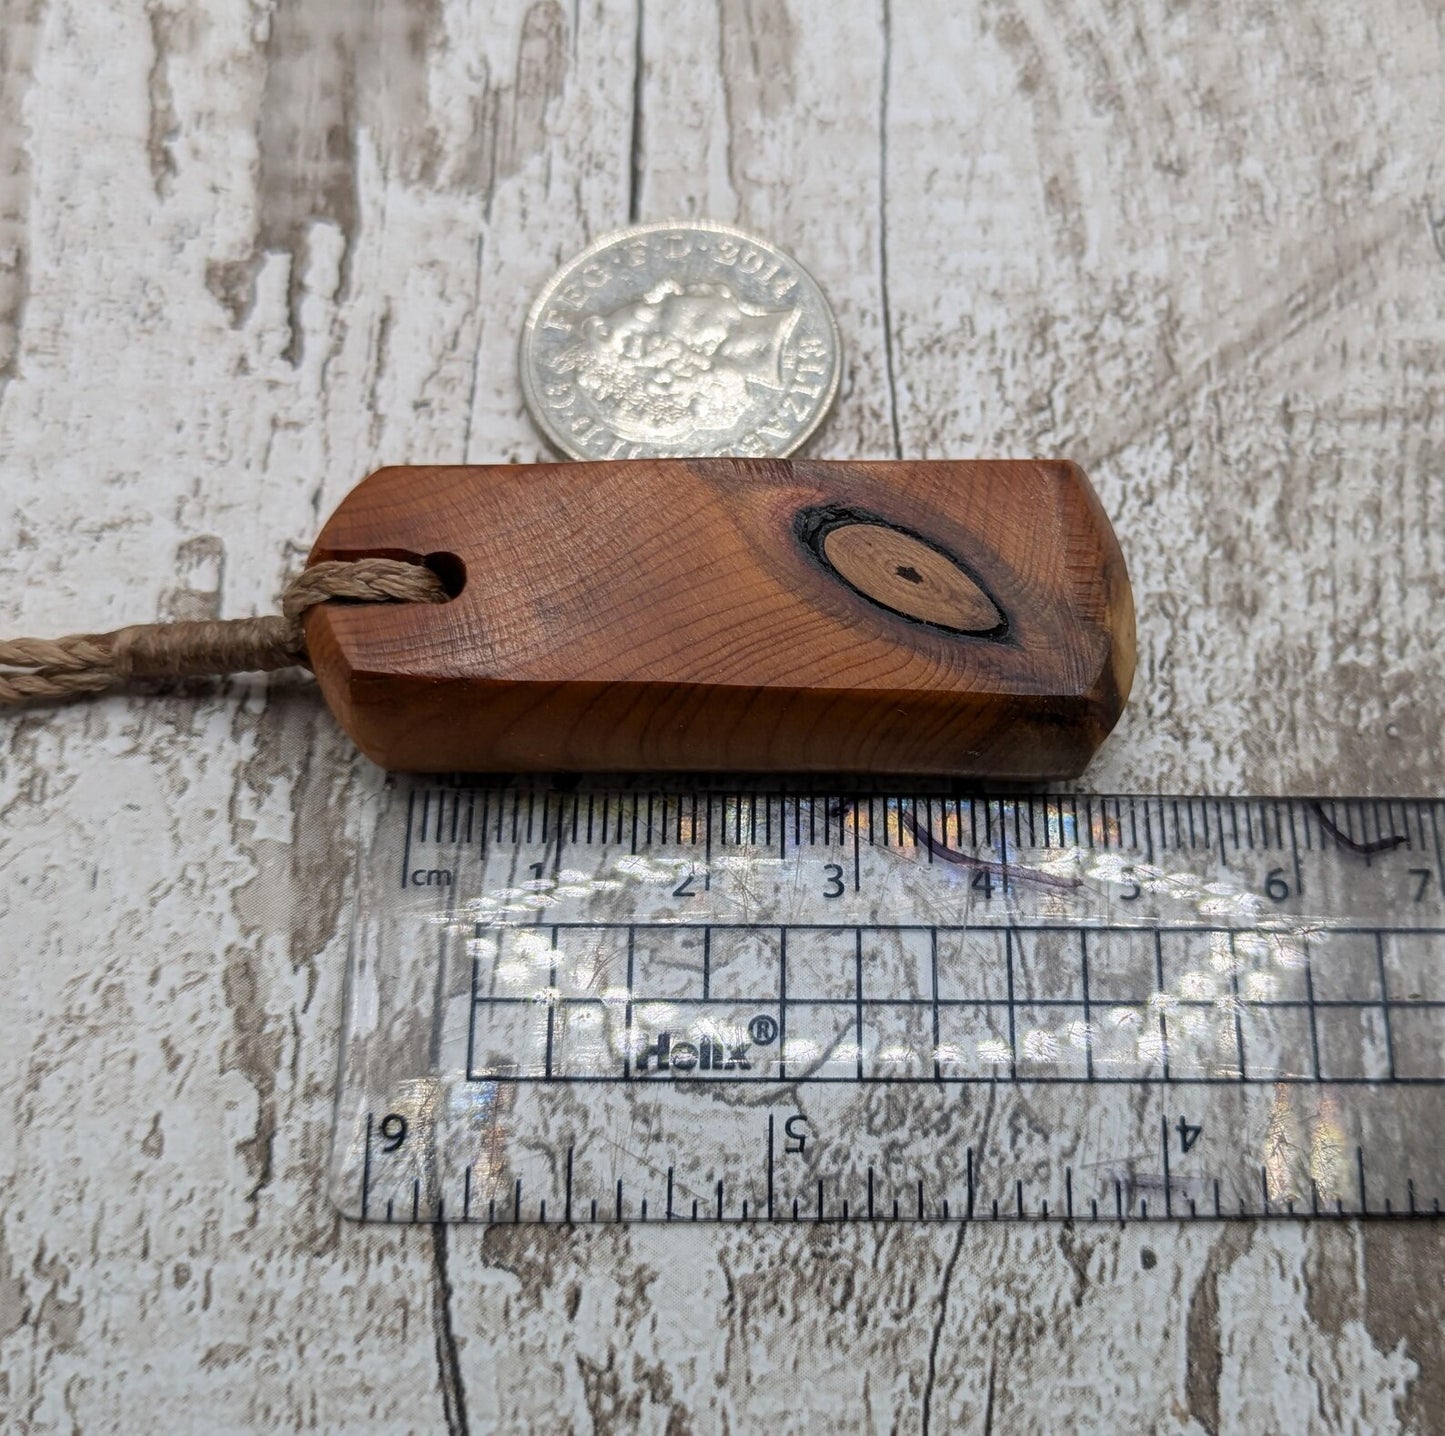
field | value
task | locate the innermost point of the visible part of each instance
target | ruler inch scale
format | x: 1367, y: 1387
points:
x: 703, y: 1003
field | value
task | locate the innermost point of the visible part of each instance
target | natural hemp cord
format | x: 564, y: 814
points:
x: 37, y: 669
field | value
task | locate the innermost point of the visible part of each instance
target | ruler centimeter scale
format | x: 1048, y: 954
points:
x: 584, y: 1005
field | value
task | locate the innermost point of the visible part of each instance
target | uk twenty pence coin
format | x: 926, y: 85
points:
x: 678, y: 340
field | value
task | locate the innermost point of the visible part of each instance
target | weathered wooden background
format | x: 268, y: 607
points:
x: 250, y: 249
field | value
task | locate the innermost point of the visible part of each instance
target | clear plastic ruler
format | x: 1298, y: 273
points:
x: 598, y: 1005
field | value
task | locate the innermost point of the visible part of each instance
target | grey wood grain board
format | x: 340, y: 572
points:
x: 250, y: 251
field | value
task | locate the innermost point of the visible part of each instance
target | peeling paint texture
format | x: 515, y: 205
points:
x: 249, y: 252
x: 19, y: 23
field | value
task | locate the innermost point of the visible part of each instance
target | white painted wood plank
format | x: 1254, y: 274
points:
x: 247, y: 253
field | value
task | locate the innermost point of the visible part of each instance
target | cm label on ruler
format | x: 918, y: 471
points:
x: 630, y: 1005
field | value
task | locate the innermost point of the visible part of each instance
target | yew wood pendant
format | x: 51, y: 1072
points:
x: 965, y: 618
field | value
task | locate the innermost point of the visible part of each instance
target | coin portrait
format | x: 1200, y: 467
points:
x: 676, y: 340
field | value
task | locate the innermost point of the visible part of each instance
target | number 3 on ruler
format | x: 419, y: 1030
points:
x: 833, y: 873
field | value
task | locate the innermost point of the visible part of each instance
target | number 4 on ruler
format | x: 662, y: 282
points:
x: 1188, y: 1135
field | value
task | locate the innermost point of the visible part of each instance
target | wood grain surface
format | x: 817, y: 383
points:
x: 972, y: 619
x: 253, y: 249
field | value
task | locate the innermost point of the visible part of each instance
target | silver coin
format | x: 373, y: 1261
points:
x: 674, y: 340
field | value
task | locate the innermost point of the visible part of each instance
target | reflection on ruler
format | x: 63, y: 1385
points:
x: 688, y: 1005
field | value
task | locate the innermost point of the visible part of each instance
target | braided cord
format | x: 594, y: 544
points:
x: 54, y: 669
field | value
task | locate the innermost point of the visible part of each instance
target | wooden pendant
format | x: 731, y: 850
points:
x: 966, y: 618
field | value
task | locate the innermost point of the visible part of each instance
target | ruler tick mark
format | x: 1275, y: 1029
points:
x: 858, y: 998
x: 770, y: 1170
x: 1385, y: 1002
x: 366, y: 1171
